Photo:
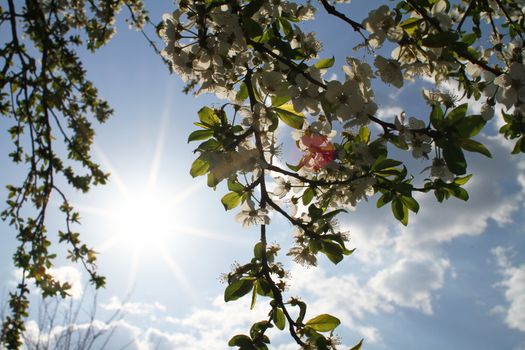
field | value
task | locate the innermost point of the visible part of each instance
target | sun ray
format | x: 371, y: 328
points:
x: 185, y: 194
x: 103, y: 212
x: 159, y: 147
x: 179, y: 275
x: 198, y: 232
x: 109, y: 243
x: 115, y: 177
x: 132, y: 277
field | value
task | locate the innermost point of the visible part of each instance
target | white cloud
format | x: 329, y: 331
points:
x: 410, y: 282
x: 513, y: 284
x: 93, y: 335
x: 343, y: 296
x: 115, y: 304
x: 389, y: 112
x: 490, y: 199
x: 71, y: 275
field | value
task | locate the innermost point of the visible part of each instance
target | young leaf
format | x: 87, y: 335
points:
x: 208, y: 117
x: 200, y: 135
x: 235, y: 186
x: 199, y: 167
x: 358, y: 345
x: 308, y: 195
x: 238, y: 289
x: 436, y: 116
x: 289, y: 116
x: 241, y: 340
x: 242, y: 94
x: 457, y: 114
x: 400, y: 211
x: 258, y: 250
x: 462, y: 180
x: 279, y: 100
x: 384, y: 199
x: 333, y: 251
x: 323, y: 323
x: 279, y: 319
x: 474, y: 146
x: 386, y: 163
x: 455, y: 159
x: 231, y: 200
x: 410, y: 203
x: 254, y: 298
x: 440, y: 39
x: 325, y: 63
x: 470, y: 126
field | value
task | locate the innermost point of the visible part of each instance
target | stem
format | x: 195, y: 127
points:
x: 333, y: 11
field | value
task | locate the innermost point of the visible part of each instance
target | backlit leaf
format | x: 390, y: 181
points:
x: 323, y: 323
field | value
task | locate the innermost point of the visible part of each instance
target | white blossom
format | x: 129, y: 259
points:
x: 250, y: 216
x: 389, y: 71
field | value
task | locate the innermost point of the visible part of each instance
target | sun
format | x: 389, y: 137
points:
x: 144, y: 220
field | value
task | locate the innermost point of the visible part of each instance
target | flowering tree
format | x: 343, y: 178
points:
x: 51, y: 105
x: 255, y: 57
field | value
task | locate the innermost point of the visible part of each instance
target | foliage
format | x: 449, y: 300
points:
x: 46, y: 96
x: 255, y: 55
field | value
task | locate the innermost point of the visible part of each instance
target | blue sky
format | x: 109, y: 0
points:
x: 454, y: 278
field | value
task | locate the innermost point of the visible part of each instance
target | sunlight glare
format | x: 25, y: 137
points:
x: 143, y: 221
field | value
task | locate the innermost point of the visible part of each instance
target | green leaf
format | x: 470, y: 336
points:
x: 330, y: 215
x: 474, y: 146
x: 455, y: 159
x: 279, y: 100
x: 386, y: 163
x: 209, y: 145
x: 258, y: 250
x: 235, y: 186
x: 308, y: 195
x: 200, y: 135
x: 470, y: 126
x: 333, y: 251
x: 208, y: 117
x: 519, y: 146
x: 410, y: 203
x: 400, y: 211
x: 469, y: 38
x: 263, y: 288
x: 384, y: 199
x: 323, y: 323
x: 254, y: 298
x: 289, y: 116
x: 251, y: 28
x: 364, y: 134
x: 441, y: 39
x: 294, y: 167
x: 212, y: 180
x: 242, y: 341
x: 325, y: 63
x: 457, y: 114
x: 279, y: 319
x: 436, y: 117
x: 462, y: 180
x: 199, y: 167
x: 242, y: 94
x: 238, y: 289
x: 410, y: 25
x: 460, y: 193
x: 358, y: 345
x: 231, y: 200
